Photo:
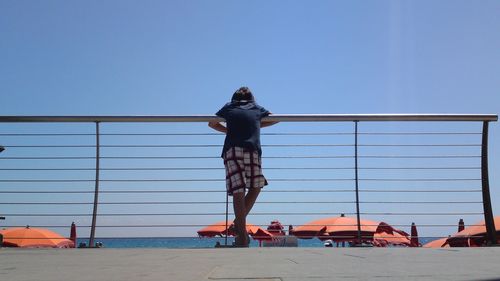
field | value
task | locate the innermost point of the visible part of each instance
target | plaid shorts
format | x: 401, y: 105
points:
x: 243, y: 170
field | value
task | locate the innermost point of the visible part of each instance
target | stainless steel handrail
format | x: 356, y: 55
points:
x: 274, y: 117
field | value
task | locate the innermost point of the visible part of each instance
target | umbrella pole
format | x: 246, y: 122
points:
x: 227, y: 227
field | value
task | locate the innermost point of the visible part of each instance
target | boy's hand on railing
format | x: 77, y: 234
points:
x: 217, y: 126
x: 268, y: 123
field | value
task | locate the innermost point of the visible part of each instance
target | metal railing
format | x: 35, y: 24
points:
x: 319, y: 161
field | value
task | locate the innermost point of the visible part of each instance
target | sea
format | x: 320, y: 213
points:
x: 192, y: 242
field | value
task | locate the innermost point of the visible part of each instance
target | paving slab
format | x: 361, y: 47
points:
x: 250, y: 264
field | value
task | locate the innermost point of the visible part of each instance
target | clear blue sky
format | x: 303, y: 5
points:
x: 187, y: 57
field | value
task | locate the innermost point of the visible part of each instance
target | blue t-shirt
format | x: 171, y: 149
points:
x: 243, y: 125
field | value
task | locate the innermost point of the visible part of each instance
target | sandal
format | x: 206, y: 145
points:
x: 238, y: 243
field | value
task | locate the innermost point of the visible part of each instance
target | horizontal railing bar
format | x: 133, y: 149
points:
x: 172, y: 145
x: 204, y: 225
x: 49, y: 226
x: 398, y: 225
x: 50, y: 146
x: 416, y: 133
x: 425, y: 191
x: 177, y: 134
x: 223, y: 191
x: 38, y: 238
x: 424, y: 214
x: 219, y: 145
x: 418, y: 145
x: 221, y: 202
x: 172, y: 169
x: 158, y: 180
x: 254, y: 237
x: 191, y: 237
x: 44, y: 134
x: 218, y: 168
x: 219, y: 134
x: 148, y: 169
x: 221, y: 180
x: 274, y: 117
x: 47, y: 192
x: 421, y: 202
x: 264, y: 157
x: 418, y: 168
x: 44, y: 180
x: 221, y: 214
x: 367, y: 238
x: 419, y: 156
x: 178, y: 191
x: 215, y: 238
x: 48, y: 158
x: 448, y: 179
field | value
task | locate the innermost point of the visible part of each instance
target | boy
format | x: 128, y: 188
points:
x: 242, y: 155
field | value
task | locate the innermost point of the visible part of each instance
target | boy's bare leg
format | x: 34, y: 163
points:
x: 250, y: 199
x: 240, y: 213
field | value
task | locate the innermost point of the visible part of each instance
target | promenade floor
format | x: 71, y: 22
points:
x: 250, y: 264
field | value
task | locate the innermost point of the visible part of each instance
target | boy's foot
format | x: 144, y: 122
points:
x: 242, y: 241
x: 231, y: 229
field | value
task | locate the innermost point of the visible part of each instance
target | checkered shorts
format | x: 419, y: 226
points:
x: 243, y: 170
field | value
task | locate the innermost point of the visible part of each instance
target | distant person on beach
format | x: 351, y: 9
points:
x: 242, y: 155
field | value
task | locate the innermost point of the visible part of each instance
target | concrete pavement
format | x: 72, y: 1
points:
x: 250, y: 264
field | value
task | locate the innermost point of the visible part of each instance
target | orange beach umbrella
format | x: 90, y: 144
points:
x: 386, y: 235
x: 336, y: 228
x: 27, y: 237
x: 472, y: 236
x: 340, y: 229
x: 439, y: 243
x: 219, y: 229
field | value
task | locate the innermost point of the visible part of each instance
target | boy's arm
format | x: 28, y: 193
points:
x: 267, y: 123
x: 217, y: 126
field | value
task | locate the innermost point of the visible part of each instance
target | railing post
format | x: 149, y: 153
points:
x: 487, y: 209
x: 356, y: 180
x: 227, y: 217
x: 96, y: 192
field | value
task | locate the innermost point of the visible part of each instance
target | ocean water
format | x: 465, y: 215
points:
x: 190, y: 242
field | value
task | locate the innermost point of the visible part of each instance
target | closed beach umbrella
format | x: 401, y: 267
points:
x: 472, y: 236
x: 414, y: 236
x: 27, y: 237
x: 439, y: 243
x: 72, y: 235
x: 337, y: 229
x: 461, y: 225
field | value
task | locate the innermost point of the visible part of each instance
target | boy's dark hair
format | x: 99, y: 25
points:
x: 242, y: 94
